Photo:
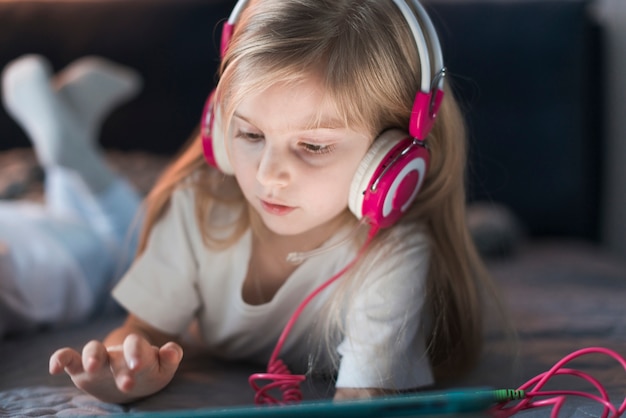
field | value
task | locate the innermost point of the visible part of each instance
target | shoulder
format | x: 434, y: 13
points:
x: 182, y: 200
x: 178, y: 212
x: 184, y: 194
x: 401, y: 248
x: 406, y: 237
x: 394, y: 269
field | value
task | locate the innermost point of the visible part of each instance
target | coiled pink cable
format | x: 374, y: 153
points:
x: 278, y: 374
x: 557, y: 399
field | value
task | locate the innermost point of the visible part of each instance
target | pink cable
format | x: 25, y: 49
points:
x: 278, y: 374
x: 556, y: 399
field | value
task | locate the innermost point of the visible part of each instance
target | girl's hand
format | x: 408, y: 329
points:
x: 122, y: 373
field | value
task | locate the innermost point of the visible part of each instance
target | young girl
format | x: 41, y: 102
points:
x: 59, y: 259
x: 309, y: 207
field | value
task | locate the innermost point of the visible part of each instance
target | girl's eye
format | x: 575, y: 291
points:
x: 318, y: 149
x: 249, y: 136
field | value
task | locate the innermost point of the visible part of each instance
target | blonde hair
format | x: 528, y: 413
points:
x: 365, y: 56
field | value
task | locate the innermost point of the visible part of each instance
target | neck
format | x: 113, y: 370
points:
x: 282, y: 245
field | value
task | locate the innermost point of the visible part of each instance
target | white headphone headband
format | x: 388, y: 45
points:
x: 422, y: 44
x: 424, y: 52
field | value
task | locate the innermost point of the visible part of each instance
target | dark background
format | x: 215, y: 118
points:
x: 527, y: 74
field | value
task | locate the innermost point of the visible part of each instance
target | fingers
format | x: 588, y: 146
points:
x: 170, y: 355
x: 140, y: 362
x: 95, y: 357
x: 138, y: 352
x: 65, y: 359
x: 131, y: 370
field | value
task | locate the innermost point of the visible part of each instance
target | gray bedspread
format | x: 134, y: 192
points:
x: 562, y: 296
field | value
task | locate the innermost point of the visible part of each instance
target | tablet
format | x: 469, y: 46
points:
x: 454, y: 402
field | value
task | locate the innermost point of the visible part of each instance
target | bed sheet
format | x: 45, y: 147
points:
x: 561, y: 296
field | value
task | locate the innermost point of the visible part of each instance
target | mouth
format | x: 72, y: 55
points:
x: 276, y: 209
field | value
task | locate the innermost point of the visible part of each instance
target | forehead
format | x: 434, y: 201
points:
x: 304, y: 103
x: 347, y: 103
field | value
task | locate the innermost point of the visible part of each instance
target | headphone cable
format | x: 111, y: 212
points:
x: 278, y: 374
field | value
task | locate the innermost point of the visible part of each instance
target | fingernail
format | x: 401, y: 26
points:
x: 91, y: 363
x: 132, y: 363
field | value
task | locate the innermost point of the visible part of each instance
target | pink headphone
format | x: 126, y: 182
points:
x: 393, y: 170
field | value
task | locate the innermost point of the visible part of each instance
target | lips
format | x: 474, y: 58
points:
x: 276, y: 209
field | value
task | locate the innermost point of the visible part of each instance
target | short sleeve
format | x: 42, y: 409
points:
x: 160, y: 286
x: 384, y: 345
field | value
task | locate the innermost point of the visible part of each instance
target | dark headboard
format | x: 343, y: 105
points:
x: 172, y: 43
x: 530, y: 79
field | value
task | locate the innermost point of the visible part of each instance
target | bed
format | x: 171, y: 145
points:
x: 562, y: 297
x: 535, y: 193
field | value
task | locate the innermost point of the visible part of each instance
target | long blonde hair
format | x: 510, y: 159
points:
x: 366, y: 58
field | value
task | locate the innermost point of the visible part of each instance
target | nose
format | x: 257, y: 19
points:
x: 272, y: 170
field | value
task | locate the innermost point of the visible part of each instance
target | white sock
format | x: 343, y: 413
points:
x: 62, y: 115
x: 94, y: 86
x: 28, y: 98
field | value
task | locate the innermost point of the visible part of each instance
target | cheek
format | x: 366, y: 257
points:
x: 243, y: 159
x: 240, y: 154
x: 331, y: 192
x: 245, y: 175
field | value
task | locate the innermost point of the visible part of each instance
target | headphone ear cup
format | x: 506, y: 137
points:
x: 388, y: 178
x: 213, y: 141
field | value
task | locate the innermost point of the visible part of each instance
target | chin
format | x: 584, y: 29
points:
x: 284, y: 228
x: 288, y: 226
x: 294, y: 223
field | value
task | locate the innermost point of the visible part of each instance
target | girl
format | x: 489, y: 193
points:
x: 59, y: 259
x: 308, y: 155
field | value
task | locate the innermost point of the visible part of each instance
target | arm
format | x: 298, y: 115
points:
x: 358, y: 393
x: 134, y: 361
x: 383, y: 351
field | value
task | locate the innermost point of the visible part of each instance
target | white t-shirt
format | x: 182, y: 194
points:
x: 178, y: 279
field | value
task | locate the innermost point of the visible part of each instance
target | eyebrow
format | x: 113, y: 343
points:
x: 324, y: 123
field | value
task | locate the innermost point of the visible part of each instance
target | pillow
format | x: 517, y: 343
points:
x: 495, y: 229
